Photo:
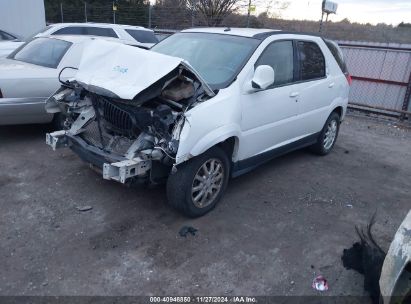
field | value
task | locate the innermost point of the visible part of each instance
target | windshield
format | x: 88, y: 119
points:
x: 217, y: 58
x: 45, y: 52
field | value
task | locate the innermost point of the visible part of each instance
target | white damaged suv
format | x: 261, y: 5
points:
x: 200, y: 107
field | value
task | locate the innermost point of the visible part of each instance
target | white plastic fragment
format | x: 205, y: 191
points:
x: 320, y: 283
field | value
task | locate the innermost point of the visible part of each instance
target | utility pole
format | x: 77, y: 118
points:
x: 327, y: 7
x: 321, y: 22
x: 114, y: 11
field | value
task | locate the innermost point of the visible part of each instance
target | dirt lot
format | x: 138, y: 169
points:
x: 276, y: 228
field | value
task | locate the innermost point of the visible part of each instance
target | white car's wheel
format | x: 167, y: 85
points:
x: 198, y: 185
x: 328, y: 135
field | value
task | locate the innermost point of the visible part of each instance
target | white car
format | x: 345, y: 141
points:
x: 201, y: 106
x: 8, y: 43
x: 127, y: 34
x: 31, y: 74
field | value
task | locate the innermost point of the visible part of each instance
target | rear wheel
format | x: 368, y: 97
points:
x: 328, y: 135
x: 198, y: 185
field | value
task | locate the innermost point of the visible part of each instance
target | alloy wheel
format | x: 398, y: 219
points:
x: 207, y: 183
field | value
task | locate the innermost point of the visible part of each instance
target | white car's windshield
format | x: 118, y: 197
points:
x: 45, y: 52
x: 217, y: 58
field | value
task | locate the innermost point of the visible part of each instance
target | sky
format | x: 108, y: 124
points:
x: 362, y: 11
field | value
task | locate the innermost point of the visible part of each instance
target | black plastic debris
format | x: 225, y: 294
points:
x: 84, y: 208
x: 185, y: 230
x: 366, y: 257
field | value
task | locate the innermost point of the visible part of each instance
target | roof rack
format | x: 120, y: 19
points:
x: 265, y: 35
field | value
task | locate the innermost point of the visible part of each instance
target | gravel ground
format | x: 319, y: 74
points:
x: 274, y: 231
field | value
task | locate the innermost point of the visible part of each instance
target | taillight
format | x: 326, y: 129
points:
x: 349, y: 79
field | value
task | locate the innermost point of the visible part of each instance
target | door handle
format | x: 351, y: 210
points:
x: 331, y: 85
x: 294, y: 94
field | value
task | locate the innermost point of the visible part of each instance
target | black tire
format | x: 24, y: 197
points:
x: 58, y: 121
x: 319, y: 147
x: 179, y: 184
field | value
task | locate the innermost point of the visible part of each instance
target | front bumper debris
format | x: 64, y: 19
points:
x: 118, y: 169
x: 122, y: 171
x: 57, y: 139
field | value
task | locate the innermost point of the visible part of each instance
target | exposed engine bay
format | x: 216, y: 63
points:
x: 129, y: 134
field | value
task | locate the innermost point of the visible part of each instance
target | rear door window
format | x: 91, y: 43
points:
x: 311, y: 60
x: 280, y: 56
x: 86, y: 30
x: 142, y: 36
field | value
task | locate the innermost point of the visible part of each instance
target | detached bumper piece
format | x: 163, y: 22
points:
x: 123, y: 170
x: 119, y: 171
x: 57, y: 139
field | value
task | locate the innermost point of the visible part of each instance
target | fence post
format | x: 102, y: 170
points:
x: 149, y: 15
x: 61, y: 12
x: 85, y: 10
x: 248, y: 13
x: 407, y: 98
x: 114, y: 7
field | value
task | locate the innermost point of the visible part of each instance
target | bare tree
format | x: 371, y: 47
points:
x: 213, y: 11
x: 274, y: 8
x: 267, y: 8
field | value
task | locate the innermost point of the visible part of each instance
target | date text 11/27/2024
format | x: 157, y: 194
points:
x: 235, y: 299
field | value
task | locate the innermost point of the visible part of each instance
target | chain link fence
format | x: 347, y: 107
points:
x: 129, y: 14
x: 381, y: 76
x: 150, y: 16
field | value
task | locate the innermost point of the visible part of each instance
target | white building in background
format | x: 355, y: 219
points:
x: 22, y: 17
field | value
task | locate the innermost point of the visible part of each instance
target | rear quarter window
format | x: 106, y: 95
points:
x: 337, y: 54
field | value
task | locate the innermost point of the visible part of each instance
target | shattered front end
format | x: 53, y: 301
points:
x: 128, y: 139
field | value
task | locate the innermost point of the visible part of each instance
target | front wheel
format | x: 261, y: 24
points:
x: 198, y: 185
x: 328, y: 135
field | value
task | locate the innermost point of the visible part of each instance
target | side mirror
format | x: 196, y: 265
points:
x: 263, y: 77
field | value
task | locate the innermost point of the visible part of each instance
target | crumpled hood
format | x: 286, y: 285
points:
x: 124, y: 71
